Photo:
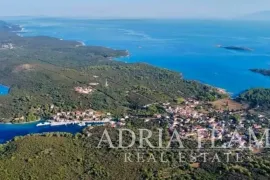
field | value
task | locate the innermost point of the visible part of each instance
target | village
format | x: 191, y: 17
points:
x: 219, y: 121
x: 88, y: 89
x: 226, y: 125
x: 82, y: 118
x: 6, y: 46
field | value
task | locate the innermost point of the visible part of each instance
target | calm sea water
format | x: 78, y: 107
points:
x: 186, y: 46
x: 9, y: 131
x: 3, y: 90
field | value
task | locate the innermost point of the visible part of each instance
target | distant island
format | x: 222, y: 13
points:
x: 69, y: 83
x: 265, y: 72
x: 235, y: 48
x: 47, y: 75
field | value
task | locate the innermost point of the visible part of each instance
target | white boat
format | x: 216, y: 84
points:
x: 82, y: 124
x: 44, y: 124
x: 59, y: 123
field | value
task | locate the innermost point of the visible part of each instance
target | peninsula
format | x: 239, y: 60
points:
x: 265, y: 72
x: 47, y: 75
x: 65, y: 82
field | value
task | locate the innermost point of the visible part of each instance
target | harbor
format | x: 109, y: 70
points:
x: 10, y: 131
x: 79, y: 118
x: 79, y: 123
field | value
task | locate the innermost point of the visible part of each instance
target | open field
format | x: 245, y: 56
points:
x: 227, y: 104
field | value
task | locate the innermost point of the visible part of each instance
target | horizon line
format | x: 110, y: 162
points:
x: 121, y: 18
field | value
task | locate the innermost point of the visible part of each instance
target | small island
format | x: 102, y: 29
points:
x: 66, y: 83
x: 235, y: 48
x: 265, y: 72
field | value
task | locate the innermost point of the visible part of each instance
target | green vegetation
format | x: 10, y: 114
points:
x: 179, y: 100
x: 64, y: 156
x: 43, y: 71
x: 259, y: 97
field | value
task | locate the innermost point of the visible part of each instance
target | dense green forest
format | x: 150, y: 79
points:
x: 64, y: 156
x: 256, y: 98
x: 43, y: 71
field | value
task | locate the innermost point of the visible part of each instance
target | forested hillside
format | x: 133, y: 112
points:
x: 43, y: 71
x: 256, y: 98
x: 64, y: 156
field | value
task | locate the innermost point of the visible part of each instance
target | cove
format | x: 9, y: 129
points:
x: 9, y: 131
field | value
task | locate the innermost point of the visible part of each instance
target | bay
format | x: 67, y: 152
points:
x: 3, y: 90
x: 186, y: 46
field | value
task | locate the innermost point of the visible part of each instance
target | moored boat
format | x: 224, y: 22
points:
x: 82, y: 124
x: 44, y: 124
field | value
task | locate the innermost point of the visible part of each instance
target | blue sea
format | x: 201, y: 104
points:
x: 3, y: 90
x: 186, y: 46
x: 9, y: 131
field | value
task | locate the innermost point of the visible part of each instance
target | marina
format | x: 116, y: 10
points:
x: 65, y: 123
x: 10, y: 131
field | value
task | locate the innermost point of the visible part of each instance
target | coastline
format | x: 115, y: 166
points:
x: 222, y: 91
x: 32, y: 122
x: 230, y: 87
x: 81, y: 43
x: 22, y: 123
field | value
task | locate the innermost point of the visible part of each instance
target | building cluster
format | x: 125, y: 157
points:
x: 83, y: 118
x: 80, y: 117
x: 121, y: 122
x: 84, y: 90
x: 188, y: 118
x: 88, y: 89
x: 186, y: 110
x: 223, y: 126
x: 6, y: 46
